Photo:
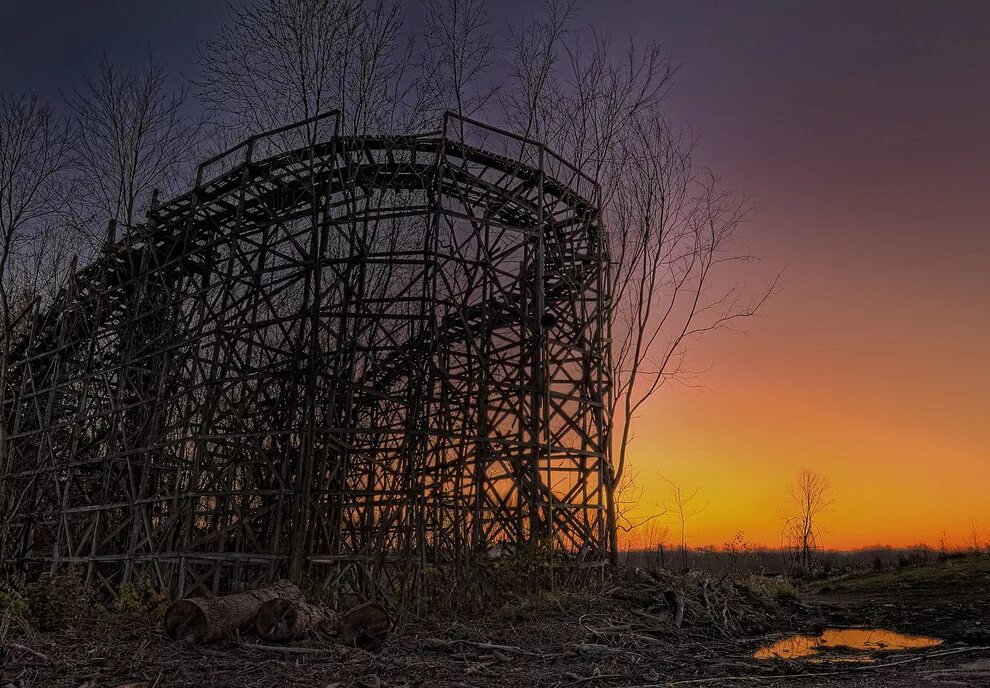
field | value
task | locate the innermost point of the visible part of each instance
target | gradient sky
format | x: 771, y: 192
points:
x: 862, y: 129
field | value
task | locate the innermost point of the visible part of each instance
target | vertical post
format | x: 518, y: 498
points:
x: 538, y: 376
x: 608, y: 531
x: 545, y: 363
x: 305, y: 478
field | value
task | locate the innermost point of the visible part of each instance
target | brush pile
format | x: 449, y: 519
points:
x: 698, y: 606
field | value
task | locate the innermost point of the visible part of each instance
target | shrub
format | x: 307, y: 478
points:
x: 140, y: 601
x: 774, y: 589
x: 53, y: 600
x: 13, y: 604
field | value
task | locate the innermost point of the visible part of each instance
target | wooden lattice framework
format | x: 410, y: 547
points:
x: 343, y: 357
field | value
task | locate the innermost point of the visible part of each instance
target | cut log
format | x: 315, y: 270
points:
x: 644, y: 598
x: 366, y: 626
x: 206, y: 619
x: 675, y: 601
x: 281, y: 620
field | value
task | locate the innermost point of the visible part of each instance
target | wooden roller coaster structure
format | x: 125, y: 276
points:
x: 343, y: 357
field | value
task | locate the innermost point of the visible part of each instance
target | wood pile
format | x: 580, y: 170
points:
x: 278, y: 613
x: 207, y: 619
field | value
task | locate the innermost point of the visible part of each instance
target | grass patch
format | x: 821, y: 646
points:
x: 965, y: 571
x: 543, y: 606
x: 769, y: 589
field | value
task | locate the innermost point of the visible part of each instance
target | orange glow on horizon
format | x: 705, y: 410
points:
x: 878, y: 380
x: 863, y: 141
x: 902, y: 471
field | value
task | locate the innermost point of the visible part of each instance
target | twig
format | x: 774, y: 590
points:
x: 503, y: 648
x: 29, y: 651
x: 610, y: 633
x: 285, y: 648
x: 598, y: 649
x: 435, y: 642
x: 596, y: 677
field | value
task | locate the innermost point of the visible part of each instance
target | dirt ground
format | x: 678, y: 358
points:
x: 567, y: 640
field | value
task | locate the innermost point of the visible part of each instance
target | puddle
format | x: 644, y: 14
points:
x: 844, y: 645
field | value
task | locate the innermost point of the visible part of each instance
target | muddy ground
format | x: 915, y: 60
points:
x: 600, y: 640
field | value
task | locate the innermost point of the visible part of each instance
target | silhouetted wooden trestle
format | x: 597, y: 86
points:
x: 344, y: 357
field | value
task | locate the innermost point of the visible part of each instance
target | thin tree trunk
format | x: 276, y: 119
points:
x: 611, y: 524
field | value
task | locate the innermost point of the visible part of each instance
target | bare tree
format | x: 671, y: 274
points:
x: 654, y: 536
x: 133, y: 136
x: 810, y: 497
x: 33, y: 160
x: 536, y: 45
x: 671, y: 226
x: 683, y: 506
x: 612, y: 90
x: 974, y: 534
x: 458, y: 47
x: 275, y: 62
x: 944, y: 544
x: 735, y: 548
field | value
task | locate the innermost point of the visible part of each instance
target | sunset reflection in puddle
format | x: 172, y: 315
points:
x: 848, y: 644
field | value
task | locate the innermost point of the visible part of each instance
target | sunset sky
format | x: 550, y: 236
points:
x: 862, y: 130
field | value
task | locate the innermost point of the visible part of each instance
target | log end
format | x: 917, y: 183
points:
x: 366, y: 626
x: 276, y: 620
x: 184, y: 620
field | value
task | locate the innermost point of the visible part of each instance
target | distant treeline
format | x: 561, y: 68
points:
x: 772, y: 561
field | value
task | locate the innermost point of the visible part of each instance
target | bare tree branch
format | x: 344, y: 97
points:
x: 458, y: 47
x: 275, y: 62
x: 134, y: 136
x: 34, y: 157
